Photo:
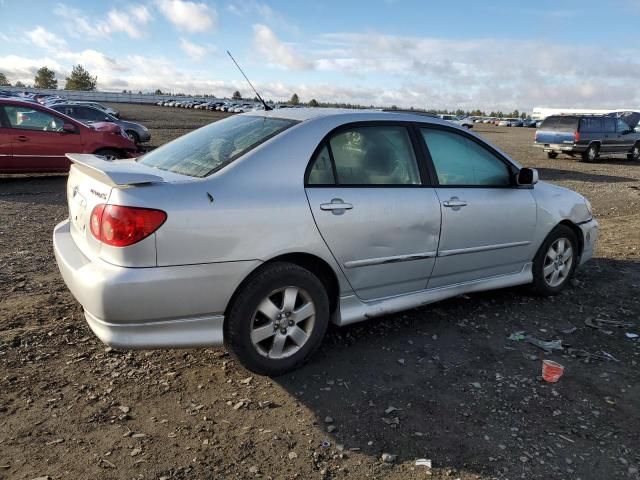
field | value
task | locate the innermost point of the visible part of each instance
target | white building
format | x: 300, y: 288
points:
x: 540, y: 113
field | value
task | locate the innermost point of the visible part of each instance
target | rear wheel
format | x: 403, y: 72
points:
x: 109, y: 154
x: 591, y: 153
x: 635, y: 153
x: 555, y: 262
x: 278, y: 319
x: 552, y: 155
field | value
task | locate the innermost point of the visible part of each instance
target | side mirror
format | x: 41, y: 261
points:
x: 69, y: 128
x: 527, y: 176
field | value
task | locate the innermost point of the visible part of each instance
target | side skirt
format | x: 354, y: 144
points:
x: 353, y: 310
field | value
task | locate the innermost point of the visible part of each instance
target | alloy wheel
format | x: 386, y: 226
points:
x: 283, y: 322
x: 558, y: 262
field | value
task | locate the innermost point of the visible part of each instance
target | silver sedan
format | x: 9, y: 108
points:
x: 258, y: 230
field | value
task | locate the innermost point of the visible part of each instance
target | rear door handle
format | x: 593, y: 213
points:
x: 22, y: 138
x: 455, y: 203
x: 337, y: 206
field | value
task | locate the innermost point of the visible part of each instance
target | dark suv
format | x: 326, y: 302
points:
x: 590, y: 135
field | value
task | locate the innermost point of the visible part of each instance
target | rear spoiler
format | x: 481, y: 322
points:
x: 118, y: 172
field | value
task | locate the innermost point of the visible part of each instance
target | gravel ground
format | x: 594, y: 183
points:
x: 442, y: 382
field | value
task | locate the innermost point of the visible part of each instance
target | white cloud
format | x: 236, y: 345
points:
x: 195, y: 52
x: 131, y: 20
x: 277, y: 52
x: 189, y: 16
x: 94, y: 59
x: 45, y: 39
x: 251, y: 8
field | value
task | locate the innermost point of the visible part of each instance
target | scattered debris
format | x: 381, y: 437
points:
x: 325, y: 444
x: 551, y: 371
x: 423, y: 462
x: 600, y: 323
x: 631, y: 335
x: 547, y: 346
x: 388, y: 458
x: 292, y: 455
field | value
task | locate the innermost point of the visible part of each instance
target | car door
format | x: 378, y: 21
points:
x: 609, y: 141
x: 374, y: 208
x: 39, y: 141
x: 488, y: 222
x: 6, y: 151
x: 624, y: 139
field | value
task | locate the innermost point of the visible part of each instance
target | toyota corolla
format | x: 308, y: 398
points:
x: 258, y: 230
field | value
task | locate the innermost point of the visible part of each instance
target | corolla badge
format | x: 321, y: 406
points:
x: 103, y: 196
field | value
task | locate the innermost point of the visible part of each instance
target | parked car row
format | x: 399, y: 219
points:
x: 84, y: 111
x: 505, y: 122
x: 217, y: 105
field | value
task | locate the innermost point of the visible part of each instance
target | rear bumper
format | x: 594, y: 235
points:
x: 590, y: 230
x: 560, y: 147
x: 157, y: 307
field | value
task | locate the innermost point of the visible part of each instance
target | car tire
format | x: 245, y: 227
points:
x: 635, y: 153
x: 109, y: 154
x: 133, y: 136
x: 552, y: 155
x: 261, y: 327
x: 555, y: 262
x: 591, y: 153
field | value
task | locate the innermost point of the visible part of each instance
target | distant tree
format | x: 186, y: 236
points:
x: 295, y: 100
x: 80, y: 79
x: 313, y: 102
x: 3, y: 80
x: 237, y: 95
x: 139, y: 92
x: 523, y: 115
x: 19, y: 84
x: 45, y: 78
x: 158, y: 92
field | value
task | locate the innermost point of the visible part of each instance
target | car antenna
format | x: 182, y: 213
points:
x: 266, y: 107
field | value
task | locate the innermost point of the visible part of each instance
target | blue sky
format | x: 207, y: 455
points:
x: 462, y: 54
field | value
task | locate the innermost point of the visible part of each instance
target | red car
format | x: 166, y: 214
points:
x: 34, y: 138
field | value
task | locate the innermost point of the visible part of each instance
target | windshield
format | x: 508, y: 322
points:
x: 210, y: 148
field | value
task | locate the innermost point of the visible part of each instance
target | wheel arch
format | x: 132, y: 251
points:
x: 316, y: 265
x: 578, y: 233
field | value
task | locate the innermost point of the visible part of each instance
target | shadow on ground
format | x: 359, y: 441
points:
x: 444, y: 382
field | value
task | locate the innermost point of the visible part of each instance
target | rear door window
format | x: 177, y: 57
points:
x: 591, y: 125
x: 374, y: 155
x: 609, y: 124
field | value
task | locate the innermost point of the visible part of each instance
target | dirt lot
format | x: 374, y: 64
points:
x: 442, y: 382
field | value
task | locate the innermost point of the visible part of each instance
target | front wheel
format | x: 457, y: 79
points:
x: 555, y: 262
x: 277, y: 320
x: 635, y: 153
x: 552, y: 155
x: 133, y: 136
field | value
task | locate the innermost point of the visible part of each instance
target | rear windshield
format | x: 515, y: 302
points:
x: 208, y: 149
x: 560, y: 123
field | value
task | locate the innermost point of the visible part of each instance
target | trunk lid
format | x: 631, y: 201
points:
x: 91, y: 182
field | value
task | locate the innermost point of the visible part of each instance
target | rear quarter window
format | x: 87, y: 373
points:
x: 560, y: 123
x: 591, y: 125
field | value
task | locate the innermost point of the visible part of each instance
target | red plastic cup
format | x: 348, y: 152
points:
x: 551, y: 371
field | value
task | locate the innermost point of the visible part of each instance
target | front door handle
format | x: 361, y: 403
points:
x: 22, y: 138
x: 454, y: 203
x: 337, y: 206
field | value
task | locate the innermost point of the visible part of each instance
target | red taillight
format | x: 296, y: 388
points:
x: 576, y: 136
x: 121, y: 226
